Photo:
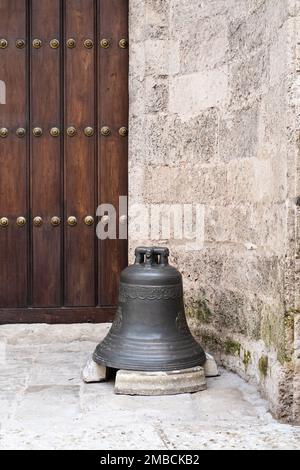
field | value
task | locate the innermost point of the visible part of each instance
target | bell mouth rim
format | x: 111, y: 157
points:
x: 142, y: 367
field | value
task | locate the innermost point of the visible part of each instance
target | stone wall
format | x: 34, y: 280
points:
x: 214, y: 116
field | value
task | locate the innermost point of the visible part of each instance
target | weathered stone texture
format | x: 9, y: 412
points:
x: 214, y: 120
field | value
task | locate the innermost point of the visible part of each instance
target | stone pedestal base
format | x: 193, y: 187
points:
x: 153, y: 383
x: 160, y: 383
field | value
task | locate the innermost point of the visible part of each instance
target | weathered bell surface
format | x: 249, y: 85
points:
x: 150, y: 331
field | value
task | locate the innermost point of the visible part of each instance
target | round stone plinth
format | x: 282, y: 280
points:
x: 160, y: 383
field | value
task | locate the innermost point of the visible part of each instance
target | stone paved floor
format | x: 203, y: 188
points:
x: 45, y: 405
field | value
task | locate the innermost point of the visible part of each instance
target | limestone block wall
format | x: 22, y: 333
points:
x: 214, y: 121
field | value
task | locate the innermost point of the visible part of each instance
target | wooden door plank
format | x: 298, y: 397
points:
x: 80, y: 154
x: 46, y: 154
x: 13, y: 157
x: 113, y: 149
x: 90, y: 172
x: 57, y: 315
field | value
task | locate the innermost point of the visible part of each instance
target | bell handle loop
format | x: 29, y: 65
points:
x: 140, y: 254
x: 144, y: 255
x: 164, y: 254
x: 152, y: 255
x: 149, y: 257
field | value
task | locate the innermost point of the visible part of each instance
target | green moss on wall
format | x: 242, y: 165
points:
x: 277, y: 331
x: 269, y: 327
x: 211, y: 342
x: 232, y: 348
x: 247, y: 359
x: 199, y: 310
x: 263, y: 364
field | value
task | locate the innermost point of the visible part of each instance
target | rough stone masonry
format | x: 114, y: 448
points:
x: 215, y: 120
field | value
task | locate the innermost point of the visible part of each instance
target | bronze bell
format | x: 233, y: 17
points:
x: 150, y: 332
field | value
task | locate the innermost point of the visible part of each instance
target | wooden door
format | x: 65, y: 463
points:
x: 63, y: 151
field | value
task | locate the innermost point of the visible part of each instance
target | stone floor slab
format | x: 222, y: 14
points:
x: 44, y: 404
